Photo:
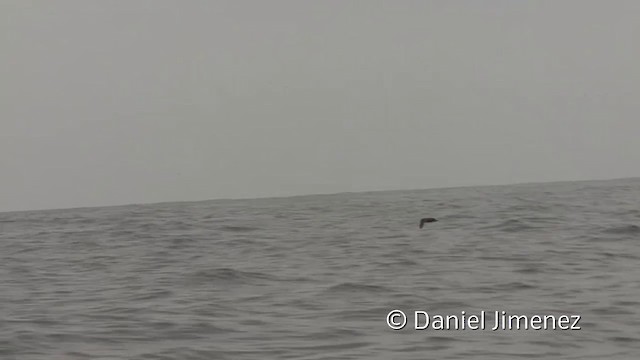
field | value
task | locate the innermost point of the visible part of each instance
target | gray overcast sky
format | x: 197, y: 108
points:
x: 114, y: 102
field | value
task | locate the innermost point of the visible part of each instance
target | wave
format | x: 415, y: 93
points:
x: 350, y: 287
x: 228, y: 275
x: 511, y: 225
x: 238, y: 228
x: 623, y: 230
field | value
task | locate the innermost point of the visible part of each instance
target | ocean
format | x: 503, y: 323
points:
x: 317, y: 277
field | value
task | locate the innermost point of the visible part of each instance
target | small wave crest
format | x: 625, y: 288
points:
x: 227, y: 275
x: 511, y: 225
x: 629, y: 229
x: 238, y: 228
x: 350, y: 287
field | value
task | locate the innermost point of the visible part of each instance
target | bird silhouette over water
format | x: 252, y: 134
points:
x: 426, y: 220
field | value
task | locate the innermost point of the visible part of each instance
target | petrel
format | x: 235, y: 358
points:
x: 426, y: 220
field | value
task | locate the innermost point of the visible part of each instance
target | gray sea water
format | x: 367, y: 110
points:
x: 314, y: 277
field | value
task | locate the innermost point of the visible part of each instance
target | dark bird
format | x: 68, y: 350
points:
x: 426, y: 220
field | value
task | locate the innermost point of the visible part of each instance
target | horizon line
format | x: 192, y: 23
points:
x: 315, y: 194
